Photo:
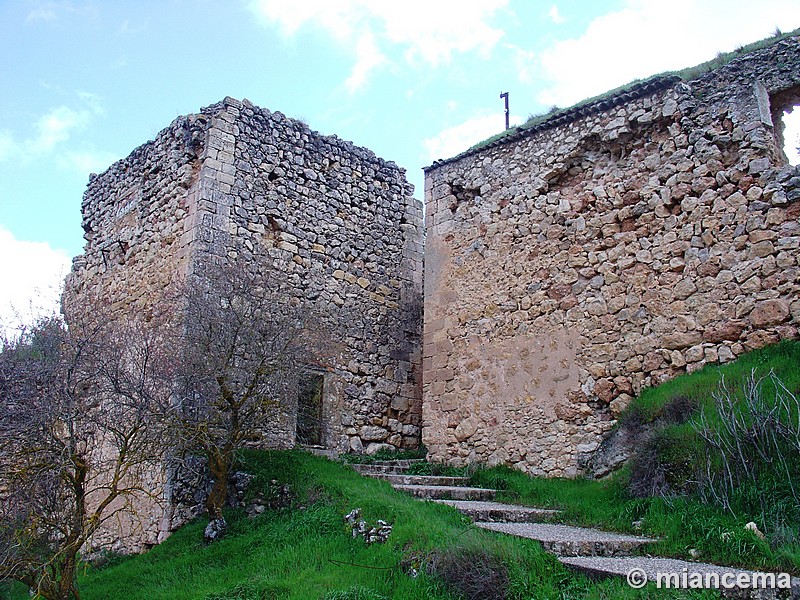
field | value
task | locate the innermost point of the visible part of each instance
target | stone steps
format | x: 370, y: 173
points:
x: 404, y: 463
x: 497, y: 512
x: 594, y: 552
x: 426, y: 480
x: 651, y: 567
x: 565, y: 540
x: 449, y: 492
x: 389, y: 467
x: 373, y: 470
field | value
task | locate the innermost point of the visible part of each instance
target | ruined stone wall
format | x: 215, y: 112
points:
x: 342, y: 225
x: 136, y: 220
x: 608, y: 249
x: 339, y: 223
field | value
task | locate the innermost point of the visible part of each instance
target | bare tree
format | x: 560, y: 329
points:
x: 243, y: 343
x: 79, y: 427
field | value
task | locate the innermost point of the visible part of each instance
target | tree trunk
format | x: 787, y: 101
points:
x: 219, y: 465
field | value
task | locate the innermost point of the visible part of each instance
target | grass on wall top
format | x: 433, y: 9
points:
x: 686, y: 74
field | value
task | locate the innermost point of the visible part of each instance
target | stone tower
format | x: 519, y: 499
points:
x: 340, y: 223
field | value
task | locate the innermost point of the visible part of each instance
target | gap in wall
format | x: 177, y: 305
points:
x: 791, y: 134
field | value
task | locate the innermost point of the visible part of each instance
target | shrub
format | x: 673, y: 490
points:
x: 664, y: 464
x: 251, y: 591
x: 752, y: 449
x: 473, y: 573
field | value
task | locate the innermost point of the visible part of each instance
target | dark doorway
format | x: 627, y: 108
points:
x: 309, y: 409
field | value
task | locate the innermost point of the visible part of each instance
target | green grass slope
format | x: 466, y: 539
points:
x: 686, y: 516
x: 306, y: 551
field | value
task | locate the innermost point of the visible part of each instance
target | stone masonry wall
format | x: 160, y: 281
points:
x: 340, y: 224
x: 138, y: 220
x: 611, y: 248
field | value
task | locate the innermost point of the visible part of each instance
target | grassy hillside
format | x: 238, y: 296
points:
x: 301, y: 548
x: 305, y: 551
x: 673, y: 489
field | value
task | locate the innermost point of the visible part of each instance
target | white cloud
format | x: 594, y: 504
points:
x: 452, y: 141
x: 447, y: 27
x: 555, y: 16
x: 53, y: 130
x: 53, y: 10
x: 32, y: 274
x: 651, y: 36
x: 43, y: 13
x: 524, y: 63
x: 93, y: 102
x: 369, y: 59
x: 56, y: 127
x: 7, y: 145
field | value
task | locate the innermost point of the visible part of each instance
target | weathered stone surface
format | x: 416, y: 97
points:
x: 466, y: 429
x: 370, y: 433
x: 254, y: 186
x: 673, y: 341
x: 721, y: 332
x: 602, y: 251
x: 769, y: 312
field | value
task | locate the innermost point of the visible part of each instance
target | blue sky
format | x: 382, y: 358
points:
x: 85, y: 82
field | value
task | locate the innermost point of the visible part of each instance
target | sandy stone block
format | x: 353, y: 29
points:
x: 437, y: 387
x: 769, y: 312
x: 466, y: 429
x: 449, y: 402
x: 676, y: 341
x: 445, y: 374
x: 444, y: 346
x: 288, y: 247
x: 726, y: 331
x: 684, y: 288
x: 760, y: 235
x: 762, y: 249
x: 439, y: 360
x: 677, y: 359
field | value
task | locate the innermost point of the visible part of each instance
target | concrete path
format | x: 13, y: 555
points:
x: 674, y: 573
x: 564, y: 540
x: 435, y: 480
x: 498, y: 512
x: 450, y: 492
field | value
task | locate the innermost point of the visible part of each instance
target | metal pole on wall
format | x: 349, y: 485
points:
x: 505, y: 95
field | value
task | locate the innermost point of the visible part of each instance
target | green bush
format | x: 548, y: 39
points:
x: 474, y: 573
